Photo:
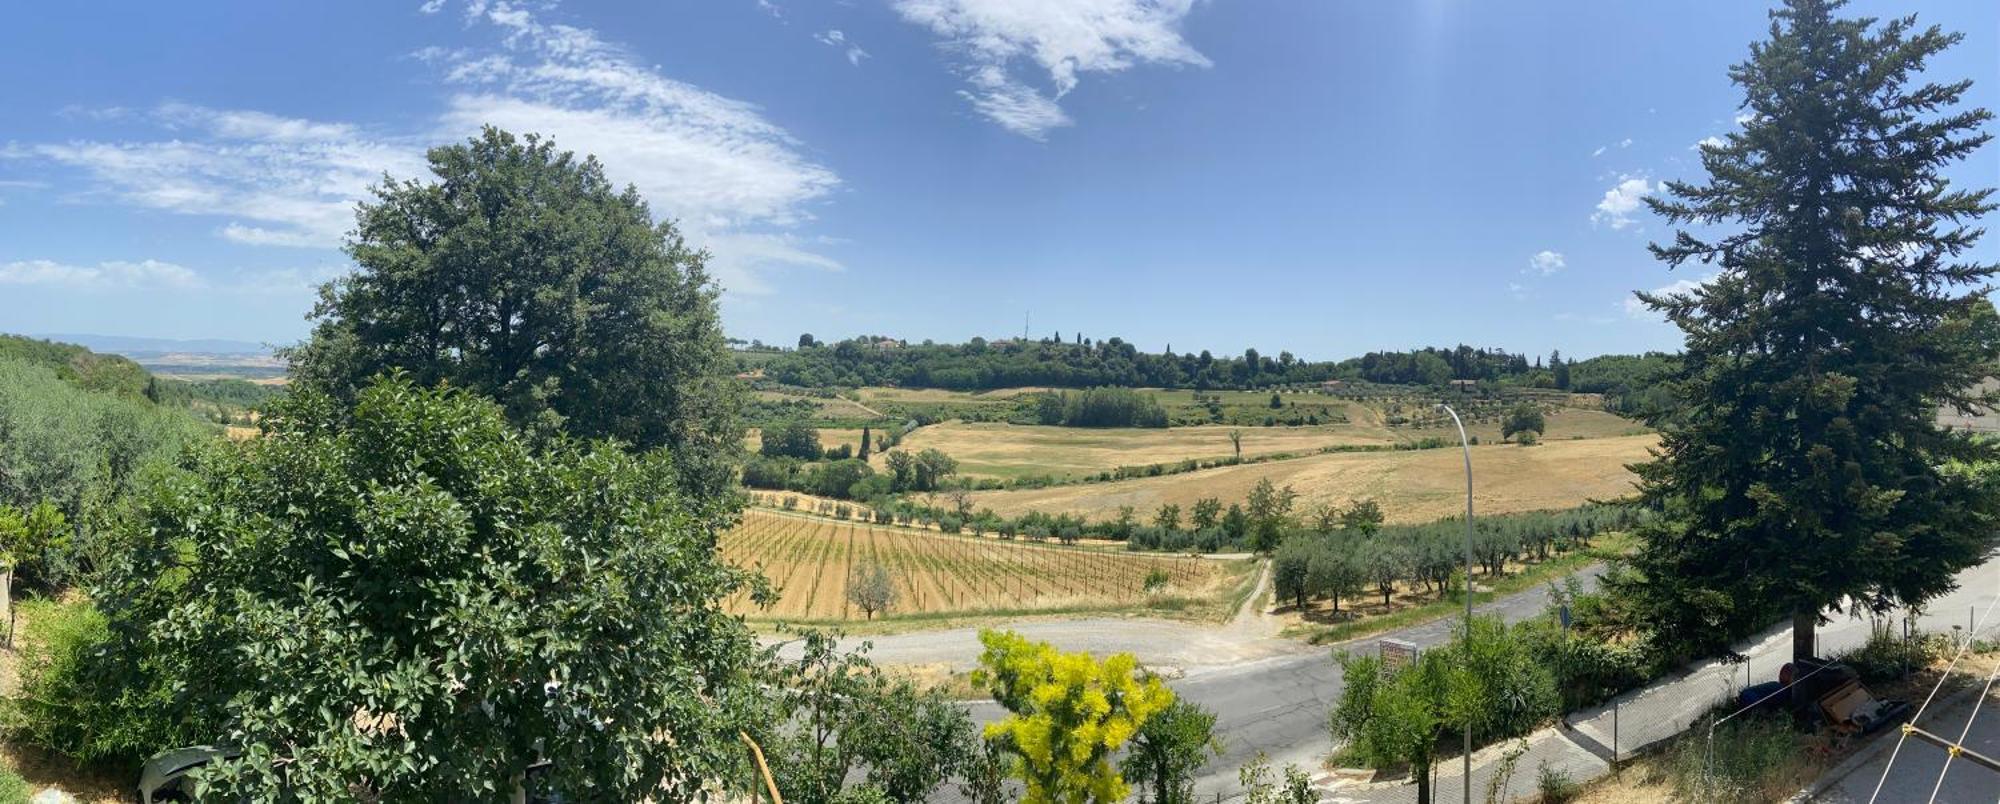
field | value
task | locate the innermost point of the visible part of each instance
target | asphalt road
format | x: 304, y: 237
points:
x: 1270, y: 695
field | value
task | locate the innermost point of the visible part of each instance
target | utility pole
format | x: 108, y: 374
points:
x: 1466, y: 445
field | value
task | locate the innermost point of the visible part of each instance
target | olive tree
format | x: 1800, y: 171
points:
x: 870, y: 589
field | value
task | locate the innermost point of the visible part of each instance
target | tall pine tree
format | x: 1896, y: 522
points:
x: 1807, y: 471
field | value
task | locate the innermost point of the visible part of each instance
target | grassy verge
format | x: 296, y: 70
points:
x: 1606, y: 546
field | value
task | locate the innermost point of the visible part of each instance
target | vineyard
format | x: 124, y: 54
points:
x: 810, y: 561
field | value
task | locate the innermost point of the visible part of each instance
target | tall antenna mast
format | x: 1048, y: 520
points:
x: 1026, y: 319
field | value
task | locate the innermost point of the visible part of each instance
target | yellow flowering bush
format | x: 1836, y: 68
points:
x: 1070, y: 713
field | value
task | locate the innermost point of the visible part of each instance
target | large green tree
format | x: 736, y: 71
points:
x: 410, y: 600
x: 1806, y: 469
x: 521, y: 273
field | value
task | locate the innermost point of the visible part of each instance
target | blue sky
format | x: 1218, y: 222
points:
x: 1322, y: 176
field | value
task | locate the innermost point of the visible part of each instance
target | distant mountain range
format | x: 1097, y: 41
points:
x: 135, y: 347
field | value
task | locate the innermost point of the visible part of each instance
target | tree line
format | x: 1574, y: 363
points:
x: 980, y: 364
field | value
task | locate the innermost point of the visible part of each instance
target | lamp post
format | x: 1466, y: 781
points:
x: 1466, y: 445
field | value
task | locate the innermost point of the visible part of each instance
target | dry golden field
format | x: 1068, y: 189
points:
x: 809, y: 558
x: 992, y: 449
x: 1412, y: 485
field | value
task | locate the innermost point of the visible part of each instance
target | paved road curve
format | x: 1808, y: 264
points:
x: 1269, y: 694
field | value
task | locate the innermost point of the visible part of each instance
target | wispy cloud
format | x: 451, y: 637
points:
x: 1637, y: 309
x: 102, y: 276
x: 716, y: 165
x: 1710, y: 141
x: 275, y: 180
x: 1064, y: 38
x: 835, y: 38
x: 729, y: 175
x: 165, y: 277
x: 1546, y: 262
x: 1616, y: 207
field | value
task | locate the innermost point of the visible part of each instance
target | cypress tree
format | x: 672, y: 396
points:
x: 1806, y: 470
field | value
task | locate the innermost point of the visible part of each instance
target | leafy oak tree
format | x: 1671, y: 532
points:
x: 1524, y: 419
x: 1806, y: 468
x: 522, y: 274
x: 409, y: 600
x: 793, y: 438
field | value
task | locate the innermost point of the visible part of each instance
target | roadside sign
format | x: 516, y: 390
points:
x: 1396, y: 653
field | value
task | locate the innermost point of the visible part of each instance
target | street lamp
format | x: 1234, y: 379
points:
x: 1466, y: 446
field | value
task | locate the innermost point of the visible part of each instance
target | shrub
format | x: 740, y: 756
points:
x: 75, y: 708
x: 360, y: 572
x: 1556, y: 786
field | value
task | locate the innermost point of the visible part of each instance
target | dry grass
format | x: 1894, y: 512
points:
x: 1412, y: 485
x: 989, y: 449
x: 1649, y: 778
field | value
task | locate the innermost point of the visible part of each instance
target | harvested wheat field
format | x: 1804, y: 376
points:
x: 1007, y: 451
x: 992, y: 449
x: 1412, y: 485
x: 808, y: 559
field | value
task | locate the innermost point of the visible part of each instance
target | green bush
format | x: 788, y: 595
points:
x: 413, y: 593
x: 1556, y: 786
x: 72, y: 703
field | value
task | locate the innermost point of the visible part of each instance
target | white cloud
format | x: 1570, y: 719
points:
x: 1017, y: 107
x: 834, y: 38
x: 1743, y: 118
x: 1064, y: 38
x: 1619, y: 202
x: 1546, y: 262
x: 1599, y: 152
x: 711, y: 162
x: 1710, y: 141
x: 1635, y: 308
x: 1625, y: 143
x: 102, y: 276
x: 716, y: 165
x: 278, y: 180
